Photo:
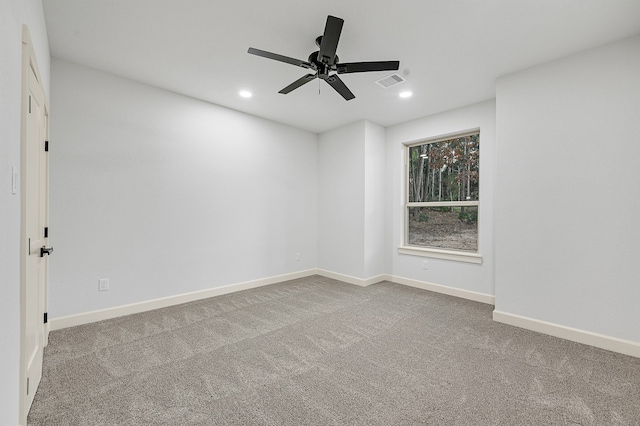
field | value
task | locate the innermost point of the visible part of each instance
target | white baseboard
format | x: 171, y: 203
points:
x: 362, y: 282
x: 594, y: 339
x: 437, y: 288
x: 451, y: 291
x: 134, y: 308
x: 602, y: 341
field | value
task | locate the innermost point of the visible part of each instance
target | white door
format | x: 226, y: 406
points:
x: 35, y: 186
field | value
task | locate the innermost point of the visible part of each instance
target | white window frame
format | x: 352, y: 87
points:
x: 438, y: 253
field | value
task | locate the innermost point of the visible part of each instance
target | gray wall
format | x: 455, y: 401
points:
x: 166, y: 195
x: 567, y: 232
x: 146, y: 182
x: 351, y: 200
x: 464, y: 276
x: 375, y: 200
x: 341, y: 200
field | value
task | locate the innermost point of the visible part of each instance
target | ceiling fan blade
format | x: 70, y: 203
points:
x: 299, y: 82
x: 367, y: 66
x: 275, y: 56
x: 335, y: 82
x: 330, y: 38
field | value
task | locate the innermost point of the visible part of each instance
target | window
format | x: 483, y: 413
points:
x: 442, y: 197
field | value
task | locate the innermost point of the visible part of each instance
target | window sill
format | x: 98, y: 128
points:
x: 459, y: 256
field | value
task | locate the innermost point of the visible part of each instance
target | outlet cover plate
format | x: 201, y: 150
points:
x: 103, y: 284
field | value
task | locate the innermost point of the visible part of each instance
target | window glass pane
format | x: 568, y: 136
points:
x: 450, y: 228
x: 445, y: 171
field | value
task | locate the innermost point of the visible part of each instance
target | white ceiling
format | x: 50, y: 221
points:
x: 450, y: 51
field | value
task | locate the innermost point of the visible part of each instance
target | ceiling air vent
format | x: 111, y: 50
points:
x: 391, y: 80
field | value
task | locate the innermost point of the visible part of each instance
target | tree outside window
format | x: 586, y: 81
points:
x: 443, y: 195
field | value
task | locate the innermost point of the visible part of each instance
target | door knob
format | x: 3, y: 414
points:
x: 45, y: 250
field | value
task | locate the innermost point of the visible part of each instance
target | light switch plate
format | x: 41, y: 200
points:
x: 14, y: 180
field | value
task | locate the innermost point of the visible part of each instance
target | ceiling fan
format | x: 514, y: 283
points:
x: 325, y: 61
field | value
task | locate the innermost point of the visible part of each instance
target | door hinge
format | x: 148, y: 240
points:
x: 46, y: 232
x: 29, y: 104
x: 46, y: 146
x: 27, y: 386
x: 46, y: 317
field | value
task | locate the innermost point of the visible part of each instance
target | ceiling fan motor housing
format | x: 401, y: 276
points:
x: 322, y: 67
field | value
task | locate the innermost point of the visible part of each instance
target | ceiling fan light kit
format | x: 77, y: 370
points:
x: 324, y: 62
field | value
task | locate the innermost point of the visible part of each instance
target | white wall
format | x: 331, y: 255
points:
x: 375, y: 253
x: 13, y: 14
x: 165, y: 195
x: 341, y: 200
x: 459, y: 275
x: 567, y: 229
x: 351, y: 201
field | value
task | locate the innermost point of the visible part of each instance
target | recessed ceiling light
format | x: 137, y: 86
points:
x: 245, y: 94
x: 405, y: 94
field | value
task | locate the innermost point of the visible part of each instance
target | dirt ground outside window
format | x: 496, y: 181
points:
x: 443, y: 229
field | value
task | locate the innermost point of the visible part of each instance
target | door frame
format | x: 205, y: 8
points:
x: 29, y: 62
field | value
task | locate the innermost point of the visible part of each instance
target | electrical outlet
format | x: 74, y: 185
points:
x: 103, y: 284
x: 298, y: 257
x: 425, y: 264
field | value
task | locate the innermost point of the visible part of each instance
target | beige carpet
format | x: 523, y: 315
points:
x: 316, y: 351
